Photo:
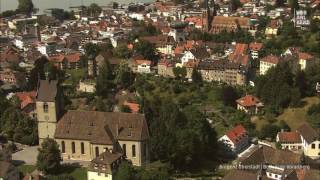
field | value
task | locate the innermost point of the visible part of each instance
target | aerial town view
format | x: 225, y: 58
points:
x: 160, y: 90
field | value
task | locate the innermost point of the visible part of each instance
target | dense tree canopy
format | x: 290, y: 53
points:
x: 25, y: 6
x: 48, y: 160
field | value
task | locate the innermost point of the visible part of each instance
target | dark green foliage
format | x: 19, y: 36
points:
x: 125, y: 172
x: 280, y: 88
x: 8, y: 13
x: 229, y: 96
x: 313, y: 115
x: 36, y: 72
x: 48, y: 160
x: 125, y: 108
x: 179, y: 72
x: 94, y: 9
x: 92, y: 49
x: 104, y: 84
x: 180, y: 137
x: 25, y: 6
x: 122, y: 51
x: 269, y: 131
x: 196, y: 76
x: 124, y: 76
x: 147, y: 50
x: 61, y: 14
x: 235, y: 4
x: 18, y: 127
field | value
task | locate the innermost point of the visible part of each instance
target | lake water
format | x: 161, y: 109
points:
x: 63, y: 4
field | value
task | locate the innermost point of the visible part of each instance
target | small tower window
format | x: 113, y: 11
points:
x: 45, y: 107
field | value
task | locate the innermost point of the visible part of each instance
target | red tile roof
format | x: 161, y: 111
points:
x: 271, y: 59
x: 305, y: 56
x: 236, y: 133
x: 74, y: 57
x: 140, y: 61
x: 248, y: 101
x: 133, y: 106
x: 26, y: 98
x: 290, y: 137
x: 255, y: 46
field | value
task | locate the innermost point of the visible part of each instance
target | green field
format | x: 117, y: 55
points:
x: 294, y: 117
x: 78, y: 173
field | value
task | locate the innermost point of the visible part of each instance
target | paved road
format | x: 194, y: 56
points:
x: 28, y: 155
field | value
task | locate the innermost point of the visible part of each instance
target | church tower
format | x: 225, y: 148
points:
x: 208, y: 14
x: 48, y: 108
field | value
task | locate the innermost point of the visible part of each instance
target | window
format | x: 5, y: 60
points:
x: 73, y: 147
x: 124, y: 148
x: 313, y: 146
x: 97, y: 151
x: 63, y: 147
x: 82, y: 148
x: 133, y: 150
x: 318, y: 146
x: 45, y: 107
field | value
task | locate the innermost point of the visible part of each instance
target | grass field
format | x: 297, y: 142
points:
x: 294, y: 117
x: 78, y: 173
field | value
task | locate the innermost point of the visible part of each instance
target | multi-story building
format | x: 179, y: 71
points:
x: 222, y: 71
x: 221, y: 23
x: 235, y: 140
x: 267, y: 62
x: 249, y: 104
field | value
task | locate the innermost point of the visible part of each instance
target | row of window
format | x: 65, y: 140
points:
x: 313, y: 146
x: 73, y: 149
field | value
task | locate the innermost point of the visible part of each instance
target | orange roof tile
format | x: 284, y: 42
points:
x: 133, y: 106
x: 248, y: 101
x: 289, y: 137
x: 236, y: 133
x: 305, y: 56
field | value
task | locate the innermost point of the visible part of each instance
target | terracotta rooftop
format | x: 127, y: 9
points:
x: 236, y: 133
x: 255, y: 46
x: 26, y: 98
x: 102, y: 127
x: 289, y: 137
x: 248, y: 101
x: 133, y: 106
x: 271, y: 59
x: 305, y: 56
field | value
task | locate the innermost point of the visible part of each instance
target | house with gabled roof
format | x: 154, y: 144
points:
x: 290, y: 140
x: 249, y: 104
x: 235, y: 140
x: 267, y: 62
x: 310, y: 140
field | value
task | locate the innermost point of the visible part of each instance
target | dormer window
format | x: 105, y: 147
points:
x: 45, y: 107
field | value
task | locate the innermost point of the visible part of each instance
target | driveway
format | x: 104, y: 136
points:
x: 28, y: 155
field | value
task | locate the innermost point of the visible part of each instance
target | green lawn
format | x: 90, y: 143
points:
x: 294, y: 117
x: 76, y: 75
x: 24, y: 169
x: 78, y: 173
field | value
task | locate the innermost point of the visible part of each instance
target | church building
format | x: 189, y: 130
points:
x: 84, y: 135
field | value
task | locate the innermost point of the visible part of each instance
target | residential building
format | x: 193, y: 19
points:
x: 222, y: 71
x: 272, y: 28
x: 141, y: 66
x: 165, y: 68
x: 164, y: 43
x: 12, y: 77
x: 267, y: 62
x: 87, y: 86
x: 305, y: 60
x: 195, y: 54
x: 270, y: 161
x: 235, y: 140
x: 255, y: 48
x: 28, y: 102
x: 104, y: 166
x: 290, y: 141
x: 310, y: 140
x: 249, y: 104
x: 66, y: 61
